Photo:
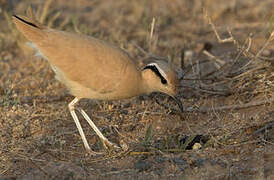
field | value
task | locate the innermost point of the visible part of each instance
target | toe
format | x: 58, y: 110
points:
x: 107, y: 144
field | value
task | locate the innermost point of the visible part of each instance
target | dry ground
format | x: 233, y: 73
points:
x: 227, y: 89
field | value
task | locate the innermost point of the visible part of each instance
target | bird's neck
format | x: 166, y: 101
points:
x: 145, y: 87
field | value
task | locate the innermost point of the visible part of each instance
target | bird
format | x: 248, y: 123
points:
x: 94, y: 69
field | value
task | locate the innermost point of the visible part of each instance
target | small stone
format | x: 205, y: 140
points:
x: 196, y: 146
x: 142, y: 165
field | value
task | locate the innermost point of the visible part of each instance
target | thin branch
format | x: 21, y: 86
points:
x: 231, y: 107
x: 271, y: 37
x: 151, y: 34
x: 230, y: 39
x: 207, y: 90
x: 267, y: 126
x: 216, y: 60
x: 45, y: 11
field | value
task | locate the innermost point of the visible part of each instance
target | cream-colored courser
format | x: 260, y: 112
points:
x: 91, y: 68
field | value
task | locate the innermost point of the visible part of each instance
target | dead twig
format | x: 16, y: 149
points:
x: 45, y: 11
x: 216, y: 60
x: 40, y: 168
x: 271, y: 38
x: 230, y: 39
x: 267, y: 126
x: 151, y: 32
x: 208, y: 91
x: 231, y: 107
x: 52, y: 20
x: 244, y: 143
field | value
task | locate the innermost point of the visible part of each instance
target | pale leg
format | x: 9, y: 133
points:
x: 79, y: 127
x: 104, y: 140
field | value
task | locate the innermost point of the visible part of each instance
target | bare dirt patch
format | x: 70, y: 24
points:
x: 227, y: 90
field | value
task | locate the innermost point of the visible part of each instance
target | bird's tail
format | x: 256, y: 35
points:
x: 30, y: 27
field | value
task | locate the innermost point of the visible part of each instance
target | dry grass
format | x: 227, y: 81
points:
x: 225, y: 58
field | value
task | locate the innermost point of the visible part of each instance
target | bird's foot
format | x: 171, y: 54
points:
x: 90, y: 152
x: 110, y: 146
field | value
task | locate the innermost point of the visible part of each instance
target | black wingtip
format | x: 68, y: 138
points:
x: 17, y: 17
x: 14, y: 16
x: 23, y: 20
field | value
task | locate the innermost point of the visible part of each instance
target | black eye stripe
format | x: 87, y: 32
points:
x: 156, y: 71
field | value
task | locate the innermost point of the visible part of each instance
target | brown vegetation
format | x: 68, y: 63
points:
x: 224, y: 52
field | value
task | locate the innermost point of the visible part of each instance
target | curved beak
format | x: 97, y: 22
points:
x: 180, y: 104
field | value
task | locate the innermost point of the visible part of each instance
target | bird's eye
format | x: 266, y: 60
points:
x: 156, y: 71
x: 163, y: 81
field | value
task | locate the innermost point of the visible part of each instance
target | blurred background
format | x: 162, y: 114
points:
x: 226, y: 86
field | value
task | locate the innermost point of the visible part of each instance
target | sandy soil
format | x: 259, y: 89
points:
x: 227, y: 90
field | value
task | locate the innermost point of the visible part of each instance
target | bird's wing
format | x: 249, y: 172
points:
x: 88, y: 61
x: 82, y: 59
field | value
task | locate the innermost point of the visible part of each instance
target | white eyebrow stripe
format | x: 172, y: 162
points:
x: 159, y: 69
